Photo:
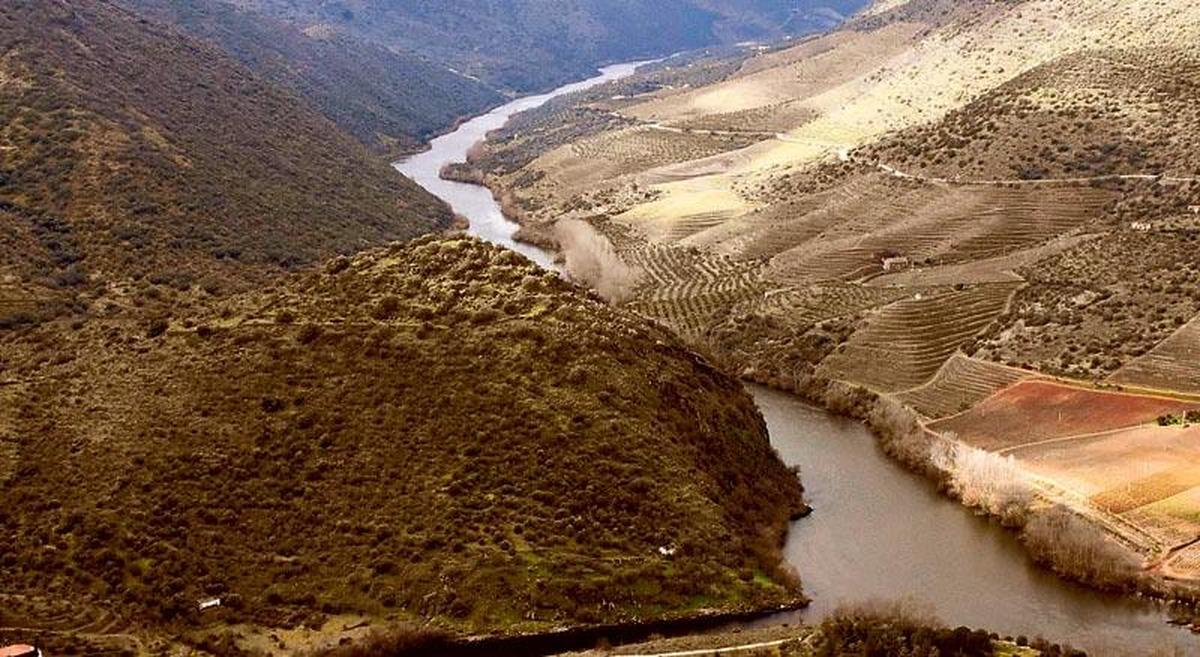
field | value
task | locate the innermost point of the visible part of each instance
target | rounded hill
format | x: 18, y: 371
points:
x: 440, y: 430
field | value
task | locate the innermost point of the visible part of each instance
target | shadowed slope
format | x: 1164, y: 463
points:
x: 130, y: 150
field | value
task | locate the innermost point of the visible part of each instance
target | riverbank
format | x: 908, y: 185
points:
x: 921, y: 542
x: 1091, y: 552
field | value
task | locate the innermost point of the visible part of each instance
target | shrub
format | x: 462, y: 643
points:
x: 396, y: 642
x: 1077, y: 548
x: 986, y: 481
x: 157, y: 327
x: 898, y: 628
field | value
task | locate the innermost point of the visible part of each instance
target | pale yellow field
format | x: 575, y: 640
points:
x: 1149, y: 476
x: 865, y: 84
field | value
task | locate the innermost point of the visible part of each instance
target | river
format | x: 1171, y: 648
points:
x: 878, y: 532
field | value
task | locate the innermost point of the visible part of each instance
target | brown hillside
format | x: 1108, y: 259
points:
x: 393, y: 101
x: 129, y: 150
x: 440, y: 431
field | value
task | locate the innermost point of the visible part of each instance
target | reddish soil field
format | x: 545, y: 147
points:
x: 1031, y: 411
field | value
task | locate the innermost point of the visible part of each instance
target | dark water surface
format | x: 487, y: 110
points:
x: 878, y: 532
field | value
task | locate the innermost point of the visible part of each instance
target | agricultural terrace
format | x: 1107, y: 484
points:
x: 1148, y: 476
x: 1035, y: 411
x: 687, y: 289
x: 841, y: 231
x: 1172, y: 365
x: 904, y: 344
x: 960, y: 384
x: 608, y: 155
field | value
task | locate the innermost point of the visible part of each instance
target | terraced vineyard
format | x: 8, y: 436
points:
x: 692, y: 224
x: 1172, y: 365
x: 689, y: 290
x: 1017, y: 218
x: 906, y: 343
x: 779, y: 117
x: 817, y: 303
x: 644, y: 147
x: 856, y: 206
x: 960, y: 384
x: 851, y: 225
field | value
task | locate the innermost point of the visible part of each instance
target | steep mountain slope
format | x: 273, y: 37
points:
x: 941, y: 199
x: 391, y: 100
x: 439, y: 431
x: 533, y: 44
x: 131, y: 152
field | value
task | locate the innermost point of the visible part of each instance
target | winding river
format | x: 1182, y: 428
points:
x: 878, y: 532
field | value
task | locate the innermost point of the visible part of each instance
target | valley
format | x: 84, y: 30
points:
x: 850, y: 328
x: 877, y: 532
x: 937, y: 205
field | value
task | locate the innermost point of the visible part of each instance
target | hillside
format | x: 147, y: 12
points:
x: 391, y: 100
x: 133, y: 156
x: 934, y: 203
x: 527, y: 45
x: 440, y: 431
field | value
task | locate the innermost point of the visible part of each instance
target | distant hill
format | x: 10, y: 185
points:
x: 437, y: 431
x: 131, y: 152
x: 525, y: 45
x: 391, y: 100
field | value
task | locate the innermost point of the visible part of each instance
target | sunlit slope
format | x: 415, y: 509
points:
x: 895, y: 70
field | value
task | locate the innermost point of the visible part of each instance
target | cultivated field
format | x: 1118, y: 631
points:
x: 961, y: 384
x: 812, y: 304
x: 690, y: 291
x: 1148, y: 476
x: 1035, y: 411
x: 573, y: 168
x: 905, y: 344
x: 1173, y: 365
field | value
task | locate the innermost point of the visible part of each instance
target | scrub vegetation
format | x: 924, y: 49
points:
x: 439, y: 431
x: 875, y: 629
x: 529, y: 45
x: 133, y: 155
x: 393, y: 101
